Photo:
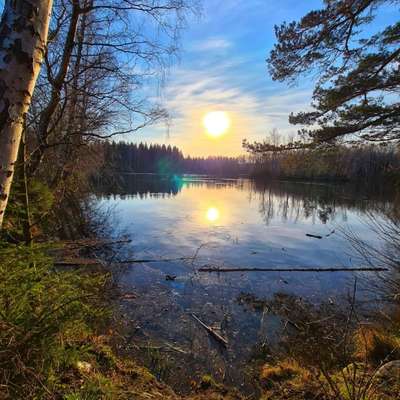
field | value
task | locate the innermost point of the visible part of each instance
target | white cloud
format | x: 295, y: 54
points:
x: 211, y: 44
x: 224, y: 69
x: 193, y: 92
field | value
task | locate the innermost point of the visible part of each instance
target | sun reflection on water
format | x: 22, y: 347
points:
x: 212, y: 214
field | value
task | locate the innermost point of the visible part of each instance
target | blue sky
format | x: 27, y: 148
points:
x: 222, y: 68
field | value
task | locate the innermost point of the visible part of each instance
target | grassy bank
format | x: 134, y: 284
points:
x: 57, y: 336
x: 48, y: 319
x: 327, y: 352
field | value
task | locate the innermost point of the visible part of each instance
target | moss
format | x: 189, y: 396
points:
x: 49, y: 323
x: 207, y: 382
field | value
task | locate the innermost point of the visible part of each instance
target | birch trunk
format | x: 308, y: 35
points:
x: 23, y: 37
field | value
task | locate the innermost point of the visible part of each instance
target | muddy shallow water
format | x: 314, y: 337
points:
x: 230, y: 223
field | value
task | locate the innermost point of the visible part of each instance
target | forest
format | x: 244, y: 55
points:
x: 363, y: 163
x: 367, y: 164
x: 273, y: 274
x: 161, y: 159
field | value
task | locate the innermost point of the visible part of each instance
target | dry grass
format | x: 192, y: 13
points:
x: 285, y: 370
x: 376, y: 346
x: 289, y: 380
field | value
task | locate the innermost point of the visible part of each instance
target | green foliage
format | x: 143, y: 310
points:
x: 46, y: 318
x: 41, y: 200
x: 95, y: 387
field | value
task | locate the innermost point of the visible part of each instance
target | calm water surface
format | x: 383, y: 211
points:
x: 229, y: 223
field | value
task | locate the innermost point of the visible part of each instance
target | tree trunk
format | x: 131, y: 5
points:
x: 57, y: 83
x: 23, y: 37
x: 20, y: 179
x: 26, y: 223
x: 71, y: 122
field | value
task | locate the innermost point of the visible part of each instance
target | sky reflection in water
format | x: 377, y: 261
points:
x: 236, y: 224
x: 244, y: 224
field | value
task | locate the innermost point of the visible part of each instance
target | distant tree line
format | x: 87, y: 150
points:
x: 123, y: 157
x: 367, y: 163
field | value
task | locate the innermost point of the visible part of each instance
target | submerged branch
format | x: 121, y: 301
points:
x: 211, y: 331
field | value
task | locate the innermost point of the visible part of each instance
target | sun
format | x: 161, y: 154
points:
x: 216, y: 123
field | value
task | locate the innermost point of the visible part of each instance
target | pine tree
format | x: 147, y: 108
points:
x: 357, y: 94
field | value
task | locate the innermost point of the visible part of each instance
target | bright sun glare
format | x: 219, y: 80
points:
x: 212, y: 214
x: 216, y: 123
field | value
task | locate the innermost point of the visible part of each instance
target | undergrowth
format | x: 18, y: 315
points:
x: 47, y: 318
x: 322, y: 358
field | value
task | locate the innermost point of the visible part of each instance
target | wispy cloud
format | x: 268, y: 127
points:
x: 194, y: 92
x: 211, y: 44
x: 223, y: 68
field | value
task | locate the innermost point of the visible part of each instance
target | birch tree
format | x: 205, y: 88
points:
x: 23, y: 36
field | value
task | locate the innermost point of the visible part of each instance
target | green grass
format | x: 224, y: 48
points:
x: 46, y: 320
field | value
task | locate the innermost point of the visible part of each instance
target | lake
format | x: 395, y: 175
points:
x: 231, y: 223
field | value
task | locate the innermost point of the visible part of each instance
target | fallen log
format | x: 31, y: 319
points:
x: 94, y: 261
x: 91, y: 242
x: 154, y: 260
x: 69, y: 262
x: 211, y: 331
x: 299, y: 269
x: 313, y: 236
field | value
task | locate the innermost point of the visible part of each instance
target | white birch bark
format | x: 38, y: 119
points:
x: 23, y: 37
